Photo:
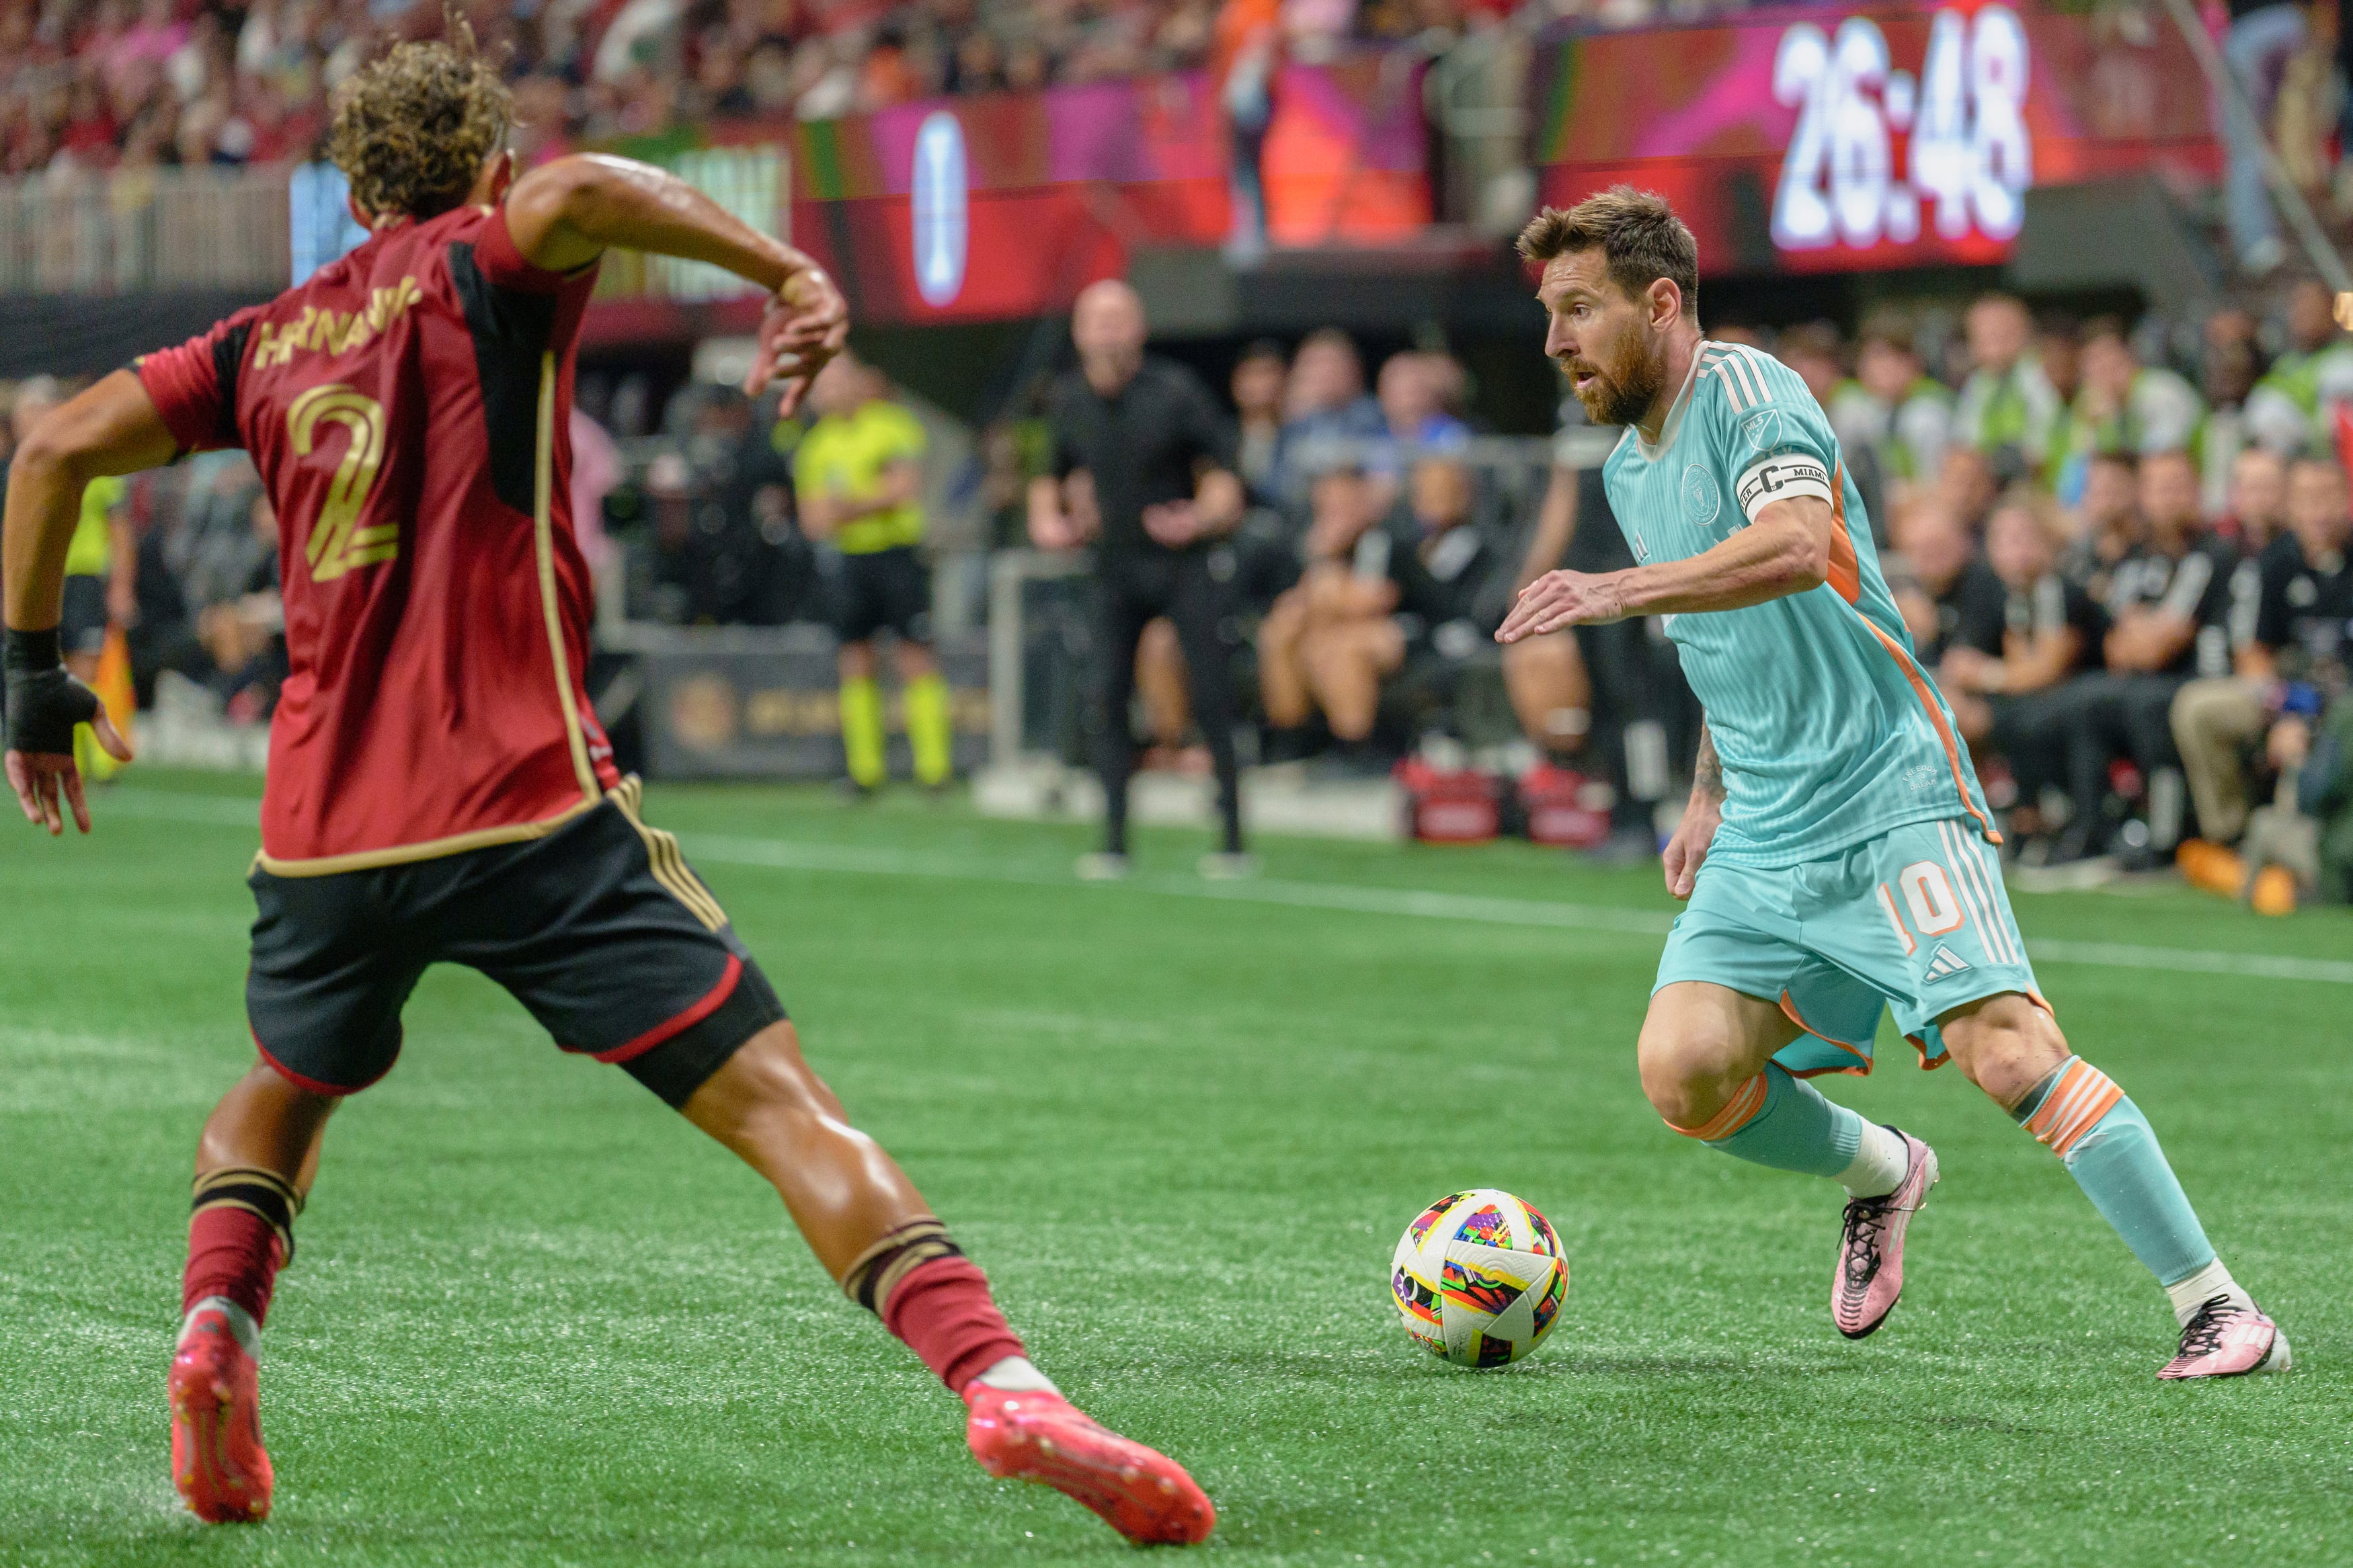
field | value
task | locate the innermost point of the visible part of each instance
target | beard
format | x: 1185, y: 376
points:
x: 1619, y: 396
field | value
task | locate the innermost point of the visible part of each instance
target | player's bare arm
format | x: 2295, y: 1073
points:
x: 1701, y: 815
x: 1786, y: 551
x: 111, y: 428
x: 566, y: 214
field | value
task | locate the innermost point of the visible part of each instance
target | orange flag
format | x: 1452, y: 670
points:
x: 113, y: 686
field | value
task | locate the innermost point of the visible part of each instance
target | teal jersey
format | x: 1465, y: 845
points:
x: 1830, y: 732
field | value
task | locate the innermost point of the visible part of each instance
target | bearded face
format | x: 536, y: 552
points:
x: 1618, y: 382
x: 1601, y: 338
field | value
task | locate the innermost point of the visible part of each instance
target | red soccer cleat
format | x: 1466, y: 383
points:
x: 1146, y: 1496
x: 217, y: 1461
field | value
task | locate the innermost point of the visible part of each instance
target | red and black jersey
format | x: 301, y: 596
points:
x: 407, y: 407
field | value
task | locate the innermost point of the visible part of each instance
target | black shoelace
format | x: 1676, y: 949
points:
x: 2203, y: 1334
x: 1861, y: 1237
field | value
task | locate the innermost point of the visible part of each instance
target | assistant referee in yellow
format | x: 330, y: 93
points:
x: 859, y: 475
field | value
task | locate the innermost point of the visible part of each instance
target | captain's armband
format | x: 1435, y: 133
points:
x: 1781, y: 476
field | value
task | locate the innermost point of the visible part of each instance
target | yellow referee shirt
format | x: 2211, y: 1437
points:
x: 844, y: 454
x: 92, y: 552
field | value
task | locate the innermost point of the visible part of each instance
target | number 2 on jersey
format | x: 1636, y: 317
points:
x: 337, y: 545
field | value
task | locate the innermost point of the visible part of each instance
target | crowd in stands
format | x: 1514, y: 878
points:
x: 2133, y: 582
x: 102, y: 84
x: 2125, y: 554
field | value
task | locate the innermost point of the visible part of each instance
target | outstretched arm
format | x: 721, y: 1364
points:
x: 1786, y: 551
x: 112, y: 428
x: 566, y: 214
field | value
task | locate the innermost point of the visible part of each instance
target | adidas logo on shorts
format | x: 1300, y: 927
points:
x: 1945, y: 962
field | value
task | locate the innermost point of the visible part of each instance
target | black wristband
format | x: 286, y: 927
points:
x: 30, y: 652
x: 43, y: 701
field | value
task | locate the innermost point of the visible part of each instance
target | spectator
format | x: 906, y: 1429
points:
x: 2016, y: 706
x: 2227, y: 378
x: 1951, y: 601
x: 1967, y: 486
x: 2295, y: 404
x: 1325, y: 414
x: 2007, y: 401
x: 1343, y: 507
x: 1258, y: 393
x: 1414, y: 418
x: 1144, y: 467
x: 2059, y: 349
x: 1893, y: 406
x: 2168, y: 600
x: 2303, y: 621
x: 859, y: 474
x: 1248, y: 55
x: 1814, y: 351
x: 2255, y: 510
x: 245, y: 633
x: 2109, y: 525
x: 1411, y: 587
x: 2128, y: 406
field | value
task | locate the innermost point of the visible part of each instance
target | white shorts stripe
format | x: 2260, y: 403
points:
x: 1988, y: 871
x: 1972, y: 903
x: 1972, y: 896
x: 1993, y: 934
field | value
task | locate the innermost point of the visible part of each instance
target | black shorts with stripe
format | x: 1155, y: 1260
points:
x: 599, y: 929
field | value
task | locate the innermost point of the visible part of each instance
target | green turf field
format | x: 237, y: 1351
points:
x: 536, y: 1320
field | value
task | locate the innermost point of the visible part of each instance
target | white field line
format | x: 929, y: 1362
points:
x: 789, y: 855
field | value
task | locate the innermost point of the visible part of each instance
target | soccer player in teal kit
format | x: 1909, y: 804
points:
x: 1837, y: 854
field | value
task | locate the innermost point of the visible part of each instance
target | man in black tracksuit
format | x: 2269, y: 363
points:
x: 1143, y: 469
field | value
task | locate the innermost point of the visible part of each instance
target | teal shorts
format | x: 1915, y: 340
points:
x: 1916, y: 920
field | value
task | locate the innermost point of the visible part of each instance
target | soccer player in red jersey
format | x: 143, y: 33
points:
x: 439, y: 788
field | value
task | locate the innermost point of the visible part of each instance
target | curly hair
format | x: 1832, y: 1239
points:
x: 1638, y: 234
x: 413, y: 127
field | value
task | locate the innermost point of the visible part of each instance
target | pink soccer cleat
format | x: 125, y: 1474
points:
x: 218, y: 1459
x: 1042, y: 1437
x: 2228, y: 1339
x: 1870, y: 1246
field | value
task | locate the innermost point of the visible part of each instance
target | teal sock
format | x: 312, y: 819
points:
x: 2106, y: 1145
x: 1783, y: 1121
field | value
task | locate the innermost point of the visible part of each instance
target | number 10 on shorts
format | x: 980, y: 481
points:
x: 1928, y: 894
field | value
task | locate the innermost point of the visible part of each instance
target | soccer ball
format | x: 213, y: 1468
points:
x: 1479, y: 1277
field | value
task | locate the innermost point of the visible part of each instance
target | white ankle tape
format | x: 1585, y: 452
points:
x: 240, y: 1322
x: 1014, y: 1375
x: 2189, y: 1295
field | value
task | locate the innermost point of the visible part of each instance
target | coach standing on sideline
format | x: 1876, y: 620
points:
x: 1143, y: 468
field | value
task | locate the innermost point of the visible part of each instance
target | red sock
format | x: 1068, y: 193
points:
x: 234, y: 1254
x: 944, y: 1312
x: 239, y: 1237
